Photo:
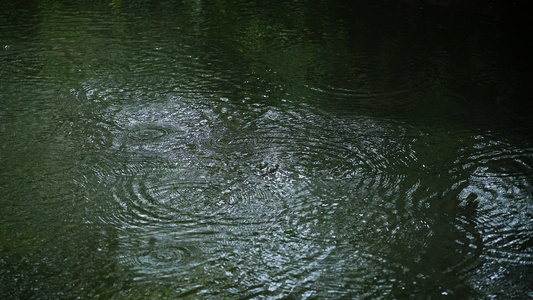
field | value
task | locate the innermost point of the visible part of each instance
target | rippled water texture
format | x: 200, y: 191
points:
x: 249, y: 150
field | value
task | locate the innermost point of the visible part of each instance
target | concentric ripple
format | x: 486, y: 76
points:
x: 159, y: 256
x: 293, y: 197
x: 148, y: 133
x: 501, y: 187
x: 170, y: 195
x: 250, y: 150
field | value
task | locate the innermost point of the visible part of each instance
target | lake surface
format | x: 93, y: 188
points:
x: 265, y: 149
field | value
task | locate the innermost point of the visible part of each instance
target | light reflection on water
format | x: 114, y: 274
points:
x: 146, y: 155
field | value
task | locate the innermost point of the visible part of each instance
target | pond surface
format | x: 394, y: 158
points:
x: 264, y: 149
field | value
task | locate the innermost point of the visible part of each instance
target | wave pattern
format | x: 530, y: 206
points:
x: 273, y: 200
x: 292, y: 198
x: 258, y: 150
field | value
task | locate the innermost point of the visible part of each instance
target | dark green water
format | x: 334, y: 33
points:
x: 265, y: 149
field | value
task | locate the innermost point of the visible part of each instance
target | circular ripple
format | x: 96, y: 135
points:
x: 169, y: 195
x: 148, y: 132
x: 160, y: 257
x: 503, y: 218
x: 300, y: 143
x: 499, y: 159
x: 497, y: 195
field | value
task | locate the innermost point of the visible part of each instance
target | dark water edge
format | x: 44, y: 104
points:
x: 265, y: 149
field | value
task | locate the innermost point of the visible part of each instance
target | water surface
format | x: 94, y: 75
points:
x: 235, y: 149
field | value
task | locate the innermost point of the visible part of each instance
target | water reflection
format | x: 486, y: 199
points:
x: 243, y: 150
